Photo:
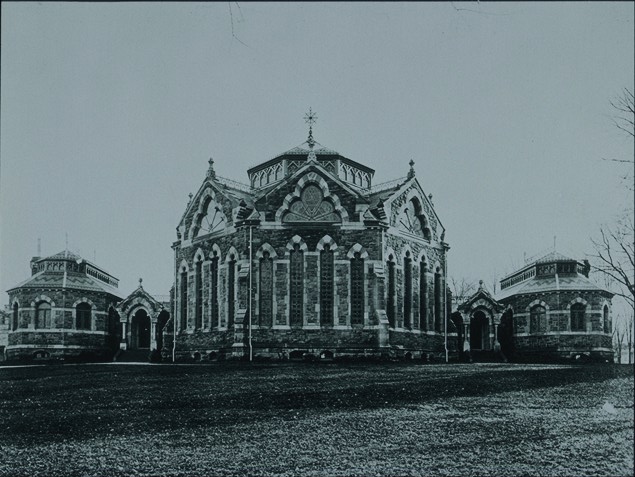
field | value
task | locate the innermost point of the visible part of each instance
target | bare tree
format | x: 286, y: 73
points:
x: 624, y: 113
x: 461, y: 289
x: 615, y: 256
x: 629, y: 338
x: 618, y: 340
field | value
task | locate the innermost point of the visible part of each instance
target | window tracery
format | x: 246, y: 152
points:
x: 266, y: 290
x: 296, y: 292
x: 311, y: 206
x: 357, y: 289
x: 326, y: 285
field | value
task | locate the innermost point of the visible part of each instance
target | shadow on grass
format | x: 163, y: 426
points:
x: 79, y: 402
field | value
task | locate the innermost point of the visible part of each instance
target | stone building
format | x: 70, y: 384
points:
x: 555, y: 310
x: 310, y: 257
x: 65, y: 309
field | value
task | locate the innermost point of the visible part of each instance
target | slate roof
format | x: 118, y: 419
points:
x: 77, y: 281
x: 555, y: 282
x: 67, y: 279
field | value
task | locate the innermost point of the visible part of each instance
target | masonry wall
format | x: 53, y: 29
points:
x: 62, y: 338
x: 556, y: 339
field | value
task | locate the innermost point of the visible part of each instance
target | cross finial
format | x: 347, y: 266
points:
x: 210, y: 172
x: 310, y: 119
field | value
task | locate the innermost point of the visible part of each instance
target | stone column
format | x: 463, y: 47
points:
x: 123, y: 344
x: 153, y: 333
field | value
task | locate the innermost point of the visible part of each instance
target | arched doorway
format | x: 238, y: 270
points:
x: 140, y: 330
x: 479, y: 331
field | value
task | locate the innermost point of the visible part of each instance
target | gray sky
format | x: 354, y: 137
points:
x: 111, y: 111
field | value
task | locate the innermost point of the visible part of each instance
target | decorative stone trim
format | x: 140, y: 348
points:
x: 266, y: 248
x: 296, y: 239
x: 326, y: 240
x: 355, y: 249
x: 41, y: 298
x: 215, y: 248
x: 313, y: 178
x: 536, y: 303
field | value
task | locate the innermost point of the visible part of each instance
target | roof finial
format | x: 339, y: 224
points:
x: 411, y: 172
x: 480, y: 284
x: 190, y: 195
x: 554, y: 243
x: 310, y: 119
x: 210, y: 172
x: 140, y: 280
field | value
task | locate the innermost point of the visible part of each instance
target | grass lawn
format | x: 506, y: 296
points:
x: 317, y: 420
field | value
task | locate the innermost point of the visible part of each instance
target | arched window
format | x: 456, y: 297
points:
x: 605, y: 320
x: 43, y: 315
x: 438, y: 319
x: 577, y: 317
x: 423, y: 296
x: 214, y: 290
x: 14, y: 323
x: 198, y: 322
x: 326, y: 285
x: 83, y: 316
x: 407, y: 293
x: 390, y: 305
x: 296, y: 284
x: 266, y: 290
x: 183, y: 299
x: 231, y: 275
x: 357, y: 289
x: 538, y: 319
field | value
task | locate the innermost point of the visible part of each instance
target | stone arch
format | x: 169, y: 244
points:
x: 391, y: 251
x: 406, y: 249
x: 296, y: 239
x: 206, y: 198
x: 316, y: 179
x: 199, y: 256
x: 575, y: 301
x: 326, y: 240
x: 40, y: 299
x: 232, y: 251
x: 537, y: 302
x: 357, y: 248
x: 184, y: 266
x: 423, y: 257
x: 266, y: 248
x: 215, y: 248
x: 83, y: 300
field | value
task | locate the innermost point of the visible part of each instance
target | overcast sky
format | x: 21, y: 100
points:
x: 110, y: 113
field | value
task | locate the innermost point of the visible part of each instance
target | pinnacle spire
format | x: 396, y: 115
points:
x: 211, y: 173
x: 411, y: 172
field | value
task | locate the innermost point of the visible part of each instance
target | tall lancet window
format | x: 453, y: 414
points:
x: 390, y: 302
x: 357, y: 289
x: 423, y: 296
x: 231, y: 276
x: 184, y: 299
x: 407, y: 292
x: 605, y: 321
x: 198, y: 322
x: 43, y: 315
x: 296, y: 284
x: 266, y: 290
x: 214, y: 290
x: 326, y: 285
x: 438, y: 319
x: 14, y: 323
x: 578, y: 320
